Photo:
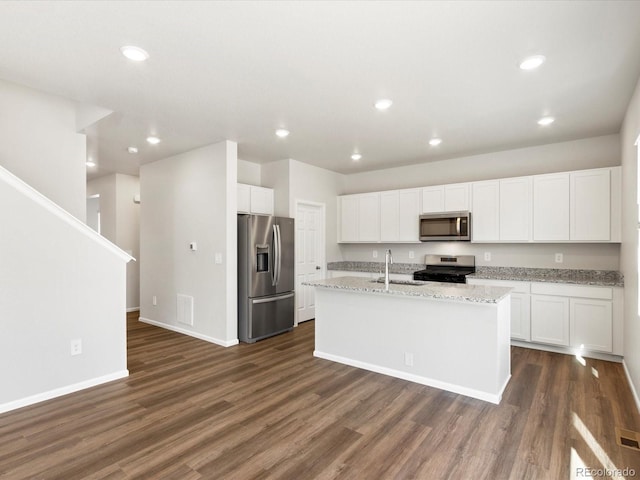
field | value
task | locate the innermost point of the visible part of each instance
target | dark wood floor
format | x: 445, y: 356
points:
x: 193, y: 410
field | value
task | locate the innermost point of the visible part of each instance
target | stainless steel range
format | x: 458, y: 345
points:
x: 444, y: 268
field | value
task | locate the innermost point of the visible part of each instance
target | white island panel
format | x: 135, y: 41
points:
x: 459, y: 346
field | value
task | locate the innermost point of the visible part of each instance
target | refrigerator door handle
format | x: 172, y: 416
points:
x: 272, y: 299
x: 279, y: 258
x: 274, y: 259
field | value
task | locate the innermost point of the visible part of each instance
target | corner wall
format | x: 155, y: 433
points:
x: 184, y: 199
x: 629, y: 251
x: 39, y: 144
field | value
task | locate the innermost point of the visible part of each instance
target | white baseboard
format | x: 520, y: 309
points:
x: 206, y: 338
x: 430, y: 382
x: 58, y: 392
x: 133, y: 309
x: 609, y: 357
x: 632, y: 386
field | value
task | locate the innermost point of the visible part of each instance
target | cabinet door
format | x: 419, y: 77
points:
x: 550, y: 319
x: 551, y: 207
x: 369, y: 217
x: 591, y: 324
x: 348, y: 215
x: 521, y: 316
x: 433, y: 199
x: 456, y: 197
x: 244, y: 198
x: 409, y: 204
x: 515, y: 209
x: 261, y: 200
x: 390, y: 216
x: 485, y: 217
x: 590, y: 203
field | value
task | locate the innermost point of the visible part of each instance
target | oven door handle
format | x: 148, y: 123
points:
x: 458, y: 225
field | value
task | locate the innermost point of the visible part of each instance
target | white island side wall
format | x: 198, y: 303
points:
x: 462, y: 347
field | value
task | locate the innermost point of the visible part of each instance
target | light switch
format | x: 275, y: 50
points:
x: 193, y: 246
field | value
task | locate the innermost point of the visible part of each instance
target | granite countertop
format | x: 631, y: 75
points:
x: 376, y: 267
x: 604, y: 278
x: 435, y: 290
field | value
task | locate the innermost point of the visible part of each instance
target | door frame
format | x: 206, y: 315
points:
x: 322, y: 247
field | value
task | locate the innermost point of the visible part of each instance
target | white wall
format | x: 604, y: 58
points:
x: 565, y: 156
x: 249, y: 172
x: 276, y: 175
x: 128, y: 232
x: 120, y: 223
x: 59, y: 281
x: 629, y: 254
x: 106, y: 188
x: 191, y: 198
x: 555, y: 157
x: 39, y: 144
x: 314, y: 184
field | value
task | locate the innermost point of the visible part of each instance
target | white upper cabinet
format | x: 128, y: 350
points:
x: 456, y: 197
x: 515, y: 209
x: 590, y: 205
x: 253, y: 199
x: 399, y: 212
x: 485, y: 211
x: 244, y: 198
x: 359, y: 217
x: 446, y: 198
x: 551, y: 207
x: 261, y: 200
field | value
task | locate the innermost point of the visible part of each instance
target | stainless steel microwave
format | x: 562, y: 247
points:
x: 442, y: 227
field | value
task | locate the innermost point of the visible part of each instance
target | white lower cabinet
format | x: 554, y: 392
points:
x: 584, y: 317
x: 550, y: 320
x: 520, y: 305
x: 591, y: 324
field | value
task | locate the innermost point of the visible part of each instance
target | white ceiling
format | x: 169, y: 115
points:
x: 239, y: 70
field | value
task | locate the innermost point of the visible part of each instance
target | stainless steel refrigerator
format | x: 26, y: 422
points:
x: 266, y: 301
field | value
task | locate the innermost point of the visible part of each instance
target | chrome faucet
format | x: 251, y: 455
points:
x: 388, y: 259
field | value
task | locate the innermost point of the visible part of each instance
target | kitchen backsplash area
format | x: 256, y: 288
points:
x: 573, y: 255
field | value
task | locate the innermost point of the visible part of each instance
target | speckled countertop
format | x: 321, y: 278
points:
x: 375, y: 267
x: 604, y: 278
x: 442, y: 291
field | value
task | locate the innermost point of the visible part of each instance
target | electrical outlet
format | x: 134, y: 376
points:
x: 408, y: 359
x: 76, y: 346
x: 412, y: 254
x: 487, y: 256
x: 559, y: 258
x: 218, y: 258
x: 193, y: 246
x: 375, y: 254
x: 154, y: 300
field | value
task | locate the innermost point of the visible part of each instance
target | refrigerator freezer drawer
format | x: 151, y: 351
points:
x: 267, y: 316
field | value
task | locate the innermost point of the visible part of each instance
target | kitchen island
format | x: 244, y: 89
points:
x: 448, y: 336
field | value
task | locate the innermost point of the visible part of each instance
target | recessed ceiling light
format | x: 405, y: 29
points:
x: 434, y: 142
x: 134, y: 53
x: 355, y: 157
x: 132, y: 149
x: 281, y: 132
x: 153, y: 140
x: 533, y: 62
x: 383, y: 104
x: 91, y: 163
x: 544, y: 121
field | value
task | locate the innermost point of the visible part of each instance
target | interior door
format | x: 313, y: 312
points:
x: 309, y: 256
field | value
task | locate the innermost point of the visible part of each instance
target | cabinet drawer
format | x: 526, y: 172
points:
x: 567, y: 290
